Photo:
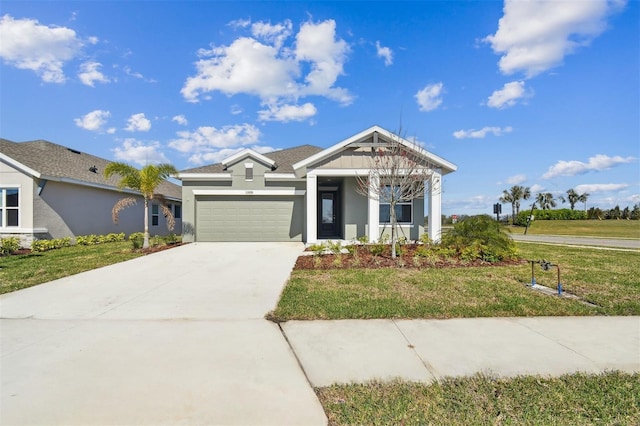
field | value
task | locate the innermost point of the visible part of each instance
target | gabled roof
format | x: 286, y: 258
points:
x: 248, y: 153
x: 374, y: 132
x: 284, y: 159
x: 46, y: 160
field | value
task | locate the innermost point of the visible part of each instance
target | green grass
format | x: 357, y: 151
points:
x: 22, y: 271
x: 612, y: 398
x: 605, y: 278
x: 583, y: 228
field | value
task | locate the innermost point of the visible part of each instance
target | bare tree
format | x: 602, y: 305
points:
x: 399, y: 172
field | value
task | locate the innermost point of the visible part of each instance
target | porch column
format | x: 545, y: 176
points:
x: 374, y: 209
x: 435, y: 207
x: 312, y: 209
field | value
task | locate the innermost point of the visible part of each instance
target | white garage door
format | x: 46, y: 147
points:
x: 249, y: 218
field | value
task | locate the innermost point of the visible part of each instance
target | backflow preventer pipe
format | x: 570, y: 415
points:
x: 545, y: 265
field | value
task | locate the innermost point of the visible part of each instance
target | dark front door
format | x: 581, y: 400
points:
x: 328, y: 218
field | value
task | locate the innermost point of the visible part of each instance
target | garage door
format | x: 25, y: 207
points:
x: 253, y: 218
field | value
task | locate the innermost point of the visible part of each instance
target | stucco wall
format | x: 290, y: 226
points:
x: 12, y: 178
x: 354, y: 210
x: 68, y: 210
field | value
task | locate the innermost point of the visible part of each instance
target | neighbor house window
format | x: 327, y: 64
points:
x: 177, y: 211
x: 155, y: 214
x: 248, y: 171
x: 404, y: 209
x: 9, y: 207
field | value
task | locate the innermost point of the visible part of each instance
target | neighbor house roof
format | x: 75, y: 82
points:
x: 284, y: 160
x: 47, y: 160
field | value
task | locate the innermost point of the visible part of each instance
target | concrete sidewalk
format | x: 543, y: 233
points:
x: 619, y: 243
x: 177, y: 337
x: 426, y: 350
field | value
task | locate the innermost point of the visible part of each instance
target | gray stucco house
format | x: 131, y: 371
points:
x: 304, y: 193
x: 51, y: 191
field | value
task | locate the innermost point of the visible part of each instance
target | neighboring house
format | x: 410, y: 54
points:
x: 50, y: 191
x: 304, y: 193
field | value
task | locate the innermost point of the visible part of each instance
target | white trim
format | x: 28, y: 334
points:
x: 283, y: 176
x: 15, y: 164
x: 249, y: 192
x: 203, y: 176
x: 339, y: 172
x: 18, y: 230
x: 312, y: 209
x: 301, y: 167
x: 249, y: 152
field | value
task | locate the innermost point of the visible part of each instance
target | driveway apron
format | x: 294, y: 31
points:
x: 177, y: 337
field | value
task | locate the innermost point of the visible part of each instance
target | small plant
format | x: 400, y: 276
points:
x: 137, y: 239
x: 334, y: 247
x: 171, y: 239
x: 377, y: 249
x: 337, y: 261
x: 46, y: 245
x: 156, y: 240
x: 317, y: 249
x: 9, y: 246
x: 363, y: 239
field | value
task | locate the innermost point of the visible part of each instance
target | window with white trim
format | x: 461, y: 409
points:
x: 248, y: 171
x: 155, y: 214
x: 9, y: 207
x: 404, y: 209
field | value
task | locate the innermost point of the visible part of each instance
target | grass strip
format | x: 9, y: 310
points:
x: 26, y: 270
x: 607, y: 279
x: 611, y: 398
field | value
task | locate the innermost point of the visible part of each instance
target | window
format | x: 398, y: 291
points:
x: 155, y: 214
x: 404, y: 209
x: 248, y: 171
x: 9, y: 207
x: 177, y: 211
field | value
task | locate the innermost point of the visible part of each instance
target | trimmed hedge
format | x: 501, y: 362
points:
x: 559, y: 214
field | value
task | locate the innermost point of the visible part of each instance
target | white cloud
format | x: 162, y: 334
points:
x: 596, y: 163
x: 479, y: 134
x: 429, y: 98
x: 217, y: 156
x: 285, y: 113
x: 536, y: 188
x: 90, y: 73
x: 138, y: 123
x: 274, y: 34
x: 265, y: 66
x: 509, y: 94
x: 180, y: 119
x: 94, y: 120
x: 534, y: 36
x: 385, y: 53
x: 206, y: 142
x: 26, y: 44
x: 236, y: 109
x: 136, y: 151
x: 600, y: 187
x: 239, y: 23
x: 516, y: 180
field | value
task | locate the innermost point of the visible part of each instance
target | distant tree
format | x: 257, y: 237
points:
x: 513, y: 197
x: 573, y: 198
x: 545, y: 200
x: 635, y: 213
x: 146, y: 181
x: 615, y: 213
x: 398, y: 174
x: 626, y: 213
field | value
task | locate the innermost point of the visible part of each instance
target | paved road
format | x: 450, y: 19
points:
x: 580, y: 241
x: 177, y: 337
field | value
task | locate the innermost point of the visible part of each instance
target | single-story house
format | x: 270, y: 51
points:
x: 304, y: 193
x: 51, y: 191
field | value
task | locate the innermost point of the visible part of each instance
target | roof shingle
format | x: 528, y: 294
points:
x: 57, y: 161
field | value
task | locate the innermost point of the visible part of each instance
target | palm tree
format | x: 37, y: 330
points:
x: 146, y: 181
x: 513, y: 196
x: 545, y: 200
x: 573, y: 197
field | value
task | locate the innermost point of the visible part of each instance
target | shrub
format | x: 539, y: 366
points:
x: 9, y: 246
x: 376, y: 249
x: 317, y: 249
x: 46, y: 245
x: 171, y: 238
x: 137, y: 239
x: 559, y: 214
x: 480, y: 237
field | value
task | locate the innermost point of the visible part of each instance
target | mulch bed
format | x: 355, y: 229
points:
x: 364, y: 259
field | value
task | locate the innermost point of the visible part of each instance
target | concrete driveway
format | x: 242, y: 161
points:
x: 177, y: 337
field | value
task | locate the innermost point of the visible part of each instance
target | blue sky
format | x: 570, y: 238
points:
x: 534, y: 93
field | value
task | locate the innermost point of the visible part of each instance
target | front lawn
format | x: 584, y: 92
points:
x: 607, y: 279
x: 609, y: 399
x: 26, y: 270
x: 583, y: 228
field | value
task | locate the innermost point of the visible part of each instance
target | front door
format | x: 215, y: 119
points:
x: 328, y: 214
